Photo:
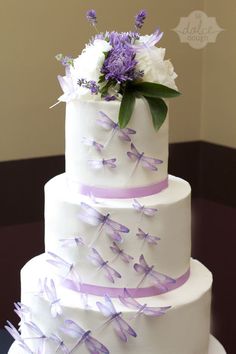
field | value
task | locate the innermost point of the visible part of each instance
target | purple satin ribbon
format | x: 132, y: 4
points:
x: 131, y: 192
x: 90, y: 289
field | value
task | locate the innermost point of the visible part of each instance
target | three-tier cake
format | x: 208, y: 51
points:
x: 116, y: 276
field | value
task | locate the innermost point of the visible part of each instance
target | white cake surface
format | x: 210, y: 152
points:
x: 214, y: 347
x: 172, y: 223
x: 81, y: 116
x: 162, y: 335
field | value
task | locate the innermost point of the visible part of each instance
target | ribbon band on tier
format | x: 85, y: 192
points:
x: 121, y: 193
x: 90, y: 289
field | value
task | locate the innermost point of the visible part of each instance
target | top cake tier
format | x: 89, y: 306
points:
x: 103, y: 158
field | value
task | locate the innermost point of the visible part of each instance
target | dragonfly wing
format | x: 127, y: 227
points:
x: 162, y: 277
x: 126, y: 257
x: 95, y: 257
x: 129, y: 131
x: 152, y: 239
x: 143, y: 262
x: 141, y: 234
x: 149, y: 211
x: 87, y: 141
x: 148, y: 165
x: 155, y: 311
x: 72, y: 329
x: 105, y: 122
x: 129, y: 301
x: 94, y: 346
x: 63, y: 83
x: 96, y: 164
x: 122, y: 328
x: 132, y: 156
x: 113, y: 234
x: 117, y: 226
x: 139, y: 268
x: 104, y: 309
x: 152, y: 160
x: 115, y: 249
x: 91, y: 211
x: 123, y: 135
x: 111, y: 273
x: 110, y: 162
x: 137, y: 206
x: 89, y: 219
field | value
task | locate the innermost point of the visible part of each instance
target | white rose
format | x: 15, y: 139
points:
x: 88, y: 65
x: 151, y: 60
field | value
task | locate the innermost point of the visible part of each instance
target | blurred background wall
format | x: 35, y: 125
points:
x: 32, y: 32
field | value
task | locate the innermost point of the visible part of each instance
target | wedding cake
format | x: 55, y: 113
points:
x: 116, y: 276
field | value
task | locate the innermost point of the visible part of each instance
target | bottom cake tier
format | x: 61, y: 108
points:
x: 59, y: 322
x: 214, y: 348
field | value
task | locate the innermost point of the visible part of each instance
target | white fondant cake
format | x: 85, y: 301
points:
x: 117, y: 275
x: 82, y: 119
x: 189, y: 314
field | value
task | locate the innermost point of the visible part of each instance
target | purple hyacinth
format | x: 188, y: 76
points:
x: 139, y: 19
x: 92, y: 17
x: 119, y: 66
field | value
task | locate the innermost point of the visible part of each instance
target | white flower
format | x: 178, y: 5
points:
x: 88, y: 65
x: 151, y: 60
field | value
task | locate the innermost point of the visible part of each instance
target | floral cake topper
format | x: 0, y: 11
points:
x: 121, y: 66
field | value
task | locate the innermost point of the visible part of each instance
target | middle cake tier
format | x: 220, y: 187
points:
x: 119, y: 243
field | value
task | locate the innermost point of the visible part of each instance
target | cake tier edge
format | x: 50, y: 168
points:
x: 165, y: 334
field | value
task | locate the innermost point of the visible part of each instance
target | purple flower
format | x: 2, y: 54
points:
x: 92, y: 17
x: 139, y: 19
x: 64, y: 60
x: 109, y: 98
x: 120, y: 63
x: 91, y: 85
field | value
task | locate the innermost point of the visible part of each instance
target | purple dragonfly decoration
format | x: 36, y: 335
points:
x: 159, y: 280
x: 122, y: 328
x: 120, y: 253
x: 147, y: 162
x: 92, y: 217
x: 145, y: 236
x: 91, y: 142
x: 108, y: 124
x: 60, y: 344
x: 132, y: 303
x: 16, y: 335
x: 72, y: 329
x: 97, y: 260
x: 142, y: 209
x: 40, y: 336
x: 150, y: 41
x: 51, y: 295
x: 67, y: 268
x: 98, y: 164
x: 22, y: 311
x: 72, y: 241
x: 67, y: 86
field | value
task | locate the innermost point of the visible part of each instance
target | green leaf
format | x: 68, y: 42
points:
x: 126, y: 108
x: 152, y: 89
x: 158, y: 110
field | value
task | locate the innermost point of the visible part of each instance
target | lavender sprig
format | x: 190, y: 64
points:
x: 64, y: 60
x: 91, y: 85
x: 91, y: 17
x: 139, y: 19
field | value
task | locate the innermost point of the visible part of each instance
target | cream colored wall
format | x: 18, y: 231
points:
x: 32, y: 32
x: 218, y: 118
